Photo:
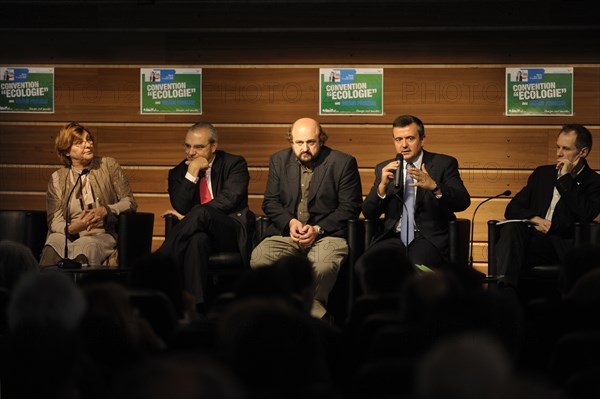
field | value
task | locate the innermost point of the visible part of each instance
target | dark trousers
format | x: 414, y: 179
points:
x: 203, y: 231
x: 521, y: 246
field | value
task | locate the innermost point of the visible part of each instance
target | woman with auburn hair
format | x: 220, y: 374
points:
x: 100, y: 193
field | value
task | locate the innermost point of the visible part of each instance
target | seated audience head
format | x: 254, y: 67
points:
x: 273, y: 348
x: 302, y: 277
x: 586, y: 290
x: 178, y: 376
x: 114, y: 334
x: 159, y: 272
x: 425, y: 290
x: 469, y: 366
x: 385, y: 271
x: 579, y: 261
x: 46, y: 300
x: 15, y: 260
x: 45, y: 355
x: 264, y: 282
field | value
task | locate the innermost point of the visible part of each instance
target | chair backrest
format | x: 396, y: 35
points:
x: 587, y: 233
x: 134, y: 237
x: 25, y: 227
x: 458, y: 245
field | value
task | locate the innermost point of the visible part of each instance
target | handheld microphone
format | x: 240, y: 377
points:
x: 505, y: 193
x: 67, y: 263
x: 398, y: 176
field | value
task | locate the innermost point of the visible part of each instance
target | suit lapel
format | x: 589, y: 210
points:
x: 293, y: 176
x: 318, y: 174
x: 215, y: 174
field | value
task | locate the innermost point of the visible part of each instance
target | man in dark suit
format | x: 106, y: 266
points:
x: 555, y: 197
x: 311, y: 192
x: 209, y: 193
x: 417, y: 211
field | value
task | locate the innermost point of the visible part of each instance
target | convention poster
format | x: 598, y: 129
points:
x: 171, y: 91
x: 539, y: 91
x: 24, y: 89
x: 351, y: 91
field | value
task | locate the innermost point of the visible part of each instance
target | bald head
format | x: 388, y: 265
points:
x: 306, y: 137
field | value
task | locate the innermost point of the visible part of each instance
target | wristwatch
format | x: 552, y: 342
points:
x: 320, y: 231
x: 437, y: 196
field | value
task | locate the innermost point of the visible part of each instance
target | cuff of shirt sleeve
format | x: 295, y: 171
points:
x: 191, y: 178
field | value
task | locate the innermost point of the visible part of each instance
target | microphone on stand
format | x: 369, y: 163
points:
x: 67, y: 263
x: 505, y: 193
x: 398, y: 175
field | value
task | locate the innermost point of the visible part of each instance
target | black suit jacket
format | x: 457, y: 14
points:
x: 579, y: 198
x: 334, y: 195
x: 229, y: 179
x: 431, y: 214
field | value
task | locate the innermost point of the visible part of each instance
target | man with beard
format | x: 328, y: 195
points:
x: 311, y: 192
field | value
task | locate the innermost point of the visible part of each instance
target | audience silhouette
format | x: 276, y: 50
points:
x: 412, y: 334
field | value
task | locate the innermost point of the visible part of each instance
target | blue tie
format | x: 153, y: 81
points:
x: 407, y: 231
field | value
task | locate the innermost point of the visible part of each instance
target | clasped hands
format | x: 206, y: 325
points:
x: 89, y: 219
x: 304, y: 235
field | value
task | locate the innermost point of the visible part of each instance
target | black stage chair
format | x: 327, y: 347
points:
x: 30, y: 228
x: 227, y: 266
x: 134, y: 238
x: 540, y: 279
x: 25, y: 227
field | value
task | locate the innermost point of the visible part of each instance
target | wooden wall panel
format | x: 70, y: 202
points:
x: 457, y: 95
x: 252, y: 107
x: 479, y: 182
x: 475, y: 147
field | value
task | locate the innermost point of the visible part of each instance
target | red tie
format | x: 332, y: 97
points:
x: 204, y: 191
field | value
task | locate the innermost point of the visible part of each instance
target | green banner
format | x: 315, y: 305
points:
x: 349, y: 91
x: 539, y: 91
x: 171, y: 91
x: 24, y: 89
